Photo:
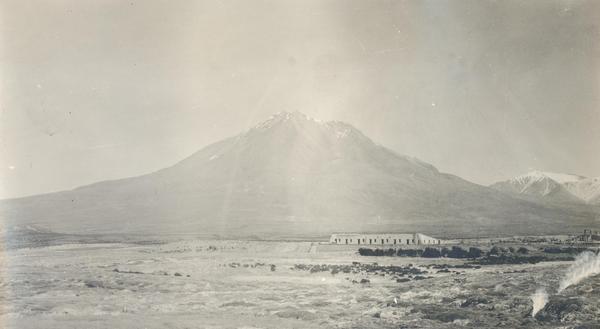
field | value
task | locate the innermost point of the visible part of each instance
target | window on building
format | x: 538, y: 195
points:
x: 407, y: 241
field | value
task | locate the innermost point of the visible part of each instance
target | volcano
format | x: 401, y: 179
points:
x: 292, y: 176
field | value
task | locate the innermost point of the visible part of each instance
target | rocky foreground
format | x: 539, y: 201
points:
x: 241, y: 284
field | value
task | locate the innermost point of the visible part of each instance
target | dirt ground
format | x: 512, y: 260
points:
x: 251, y: 284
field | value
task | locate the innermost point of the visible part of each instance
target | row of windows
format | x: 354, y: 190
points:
x: 382, y: 241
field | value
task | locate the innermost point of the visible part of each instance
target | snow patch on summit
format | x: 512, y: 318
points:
x: 542, y: 183
x: 536, y: 176
x: 342, y: 133
x: 557, y: 177
x: 283, y: 116
x: 587, y: 189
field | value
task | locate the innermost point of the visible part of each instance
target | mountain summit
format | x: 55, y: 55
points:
x: 553, y: 187
x: 290, y: 175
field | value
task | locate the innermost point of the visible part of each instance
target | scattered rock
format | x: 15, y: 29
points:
x: 474, y: 301
x: 558, y: 308
x: 588, y: 326
x: 447, y: 316
x: 94, y: 284
x: 296, y: 314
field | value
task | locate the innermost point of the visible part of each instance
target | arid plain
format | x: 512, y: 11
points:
x: 269, y: 284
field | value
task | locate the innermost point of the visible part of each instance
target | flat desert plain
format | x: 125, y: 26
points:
x: 258, y: 284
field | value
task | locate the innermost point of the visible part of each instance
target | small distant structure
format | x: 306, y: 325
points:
x: 589, y: 236
x: 383, y: 239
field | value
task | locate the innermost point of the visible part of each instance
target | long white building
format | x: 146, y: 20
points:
x: 383, y: 239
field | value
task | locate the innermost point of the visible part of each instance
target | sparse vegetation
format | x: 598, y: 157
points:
x: 475, y: 252
x: 496, y: 255
x: 431, y: 253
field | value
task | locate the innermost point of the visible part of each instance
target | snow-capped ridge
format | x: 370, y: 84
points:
x: 587, y: 189
x: 283, y: 116
x: 555, y: 186
x: 338, y: 129
x: 557, y: 177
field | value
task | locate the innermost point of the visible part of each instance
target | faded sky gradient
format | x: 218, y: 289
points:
x: 486, y: 90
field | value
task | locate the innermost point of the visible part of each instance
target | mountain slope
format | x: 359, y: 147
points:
x: 291, y: 175
x: 553, y: 187
x: 587, y: 189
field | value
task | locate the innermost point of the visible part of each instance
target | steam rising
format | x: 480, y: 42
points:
x: 539, y: 299
x: 585, y: 265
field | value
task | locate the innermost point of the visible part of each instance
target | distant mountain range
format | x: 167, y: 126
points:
x: 554, y: 187
x: 294, y: 176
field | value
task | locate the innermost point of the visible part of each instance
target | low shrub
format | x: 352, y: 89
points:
x: 458, y: 252
x: 445, y: 251
x: 494, y: 251
x: 431, y: 253
x: 553, y: 250
x: 475, y: 252
x: 409, y: 252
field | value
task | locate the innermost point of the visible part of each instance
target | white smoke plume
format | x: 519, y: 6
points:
x: 586, y: 264
x: 539, y: 299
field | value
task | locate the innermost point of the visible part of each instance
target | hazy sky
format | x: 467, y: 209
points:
x: 94, y: 90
